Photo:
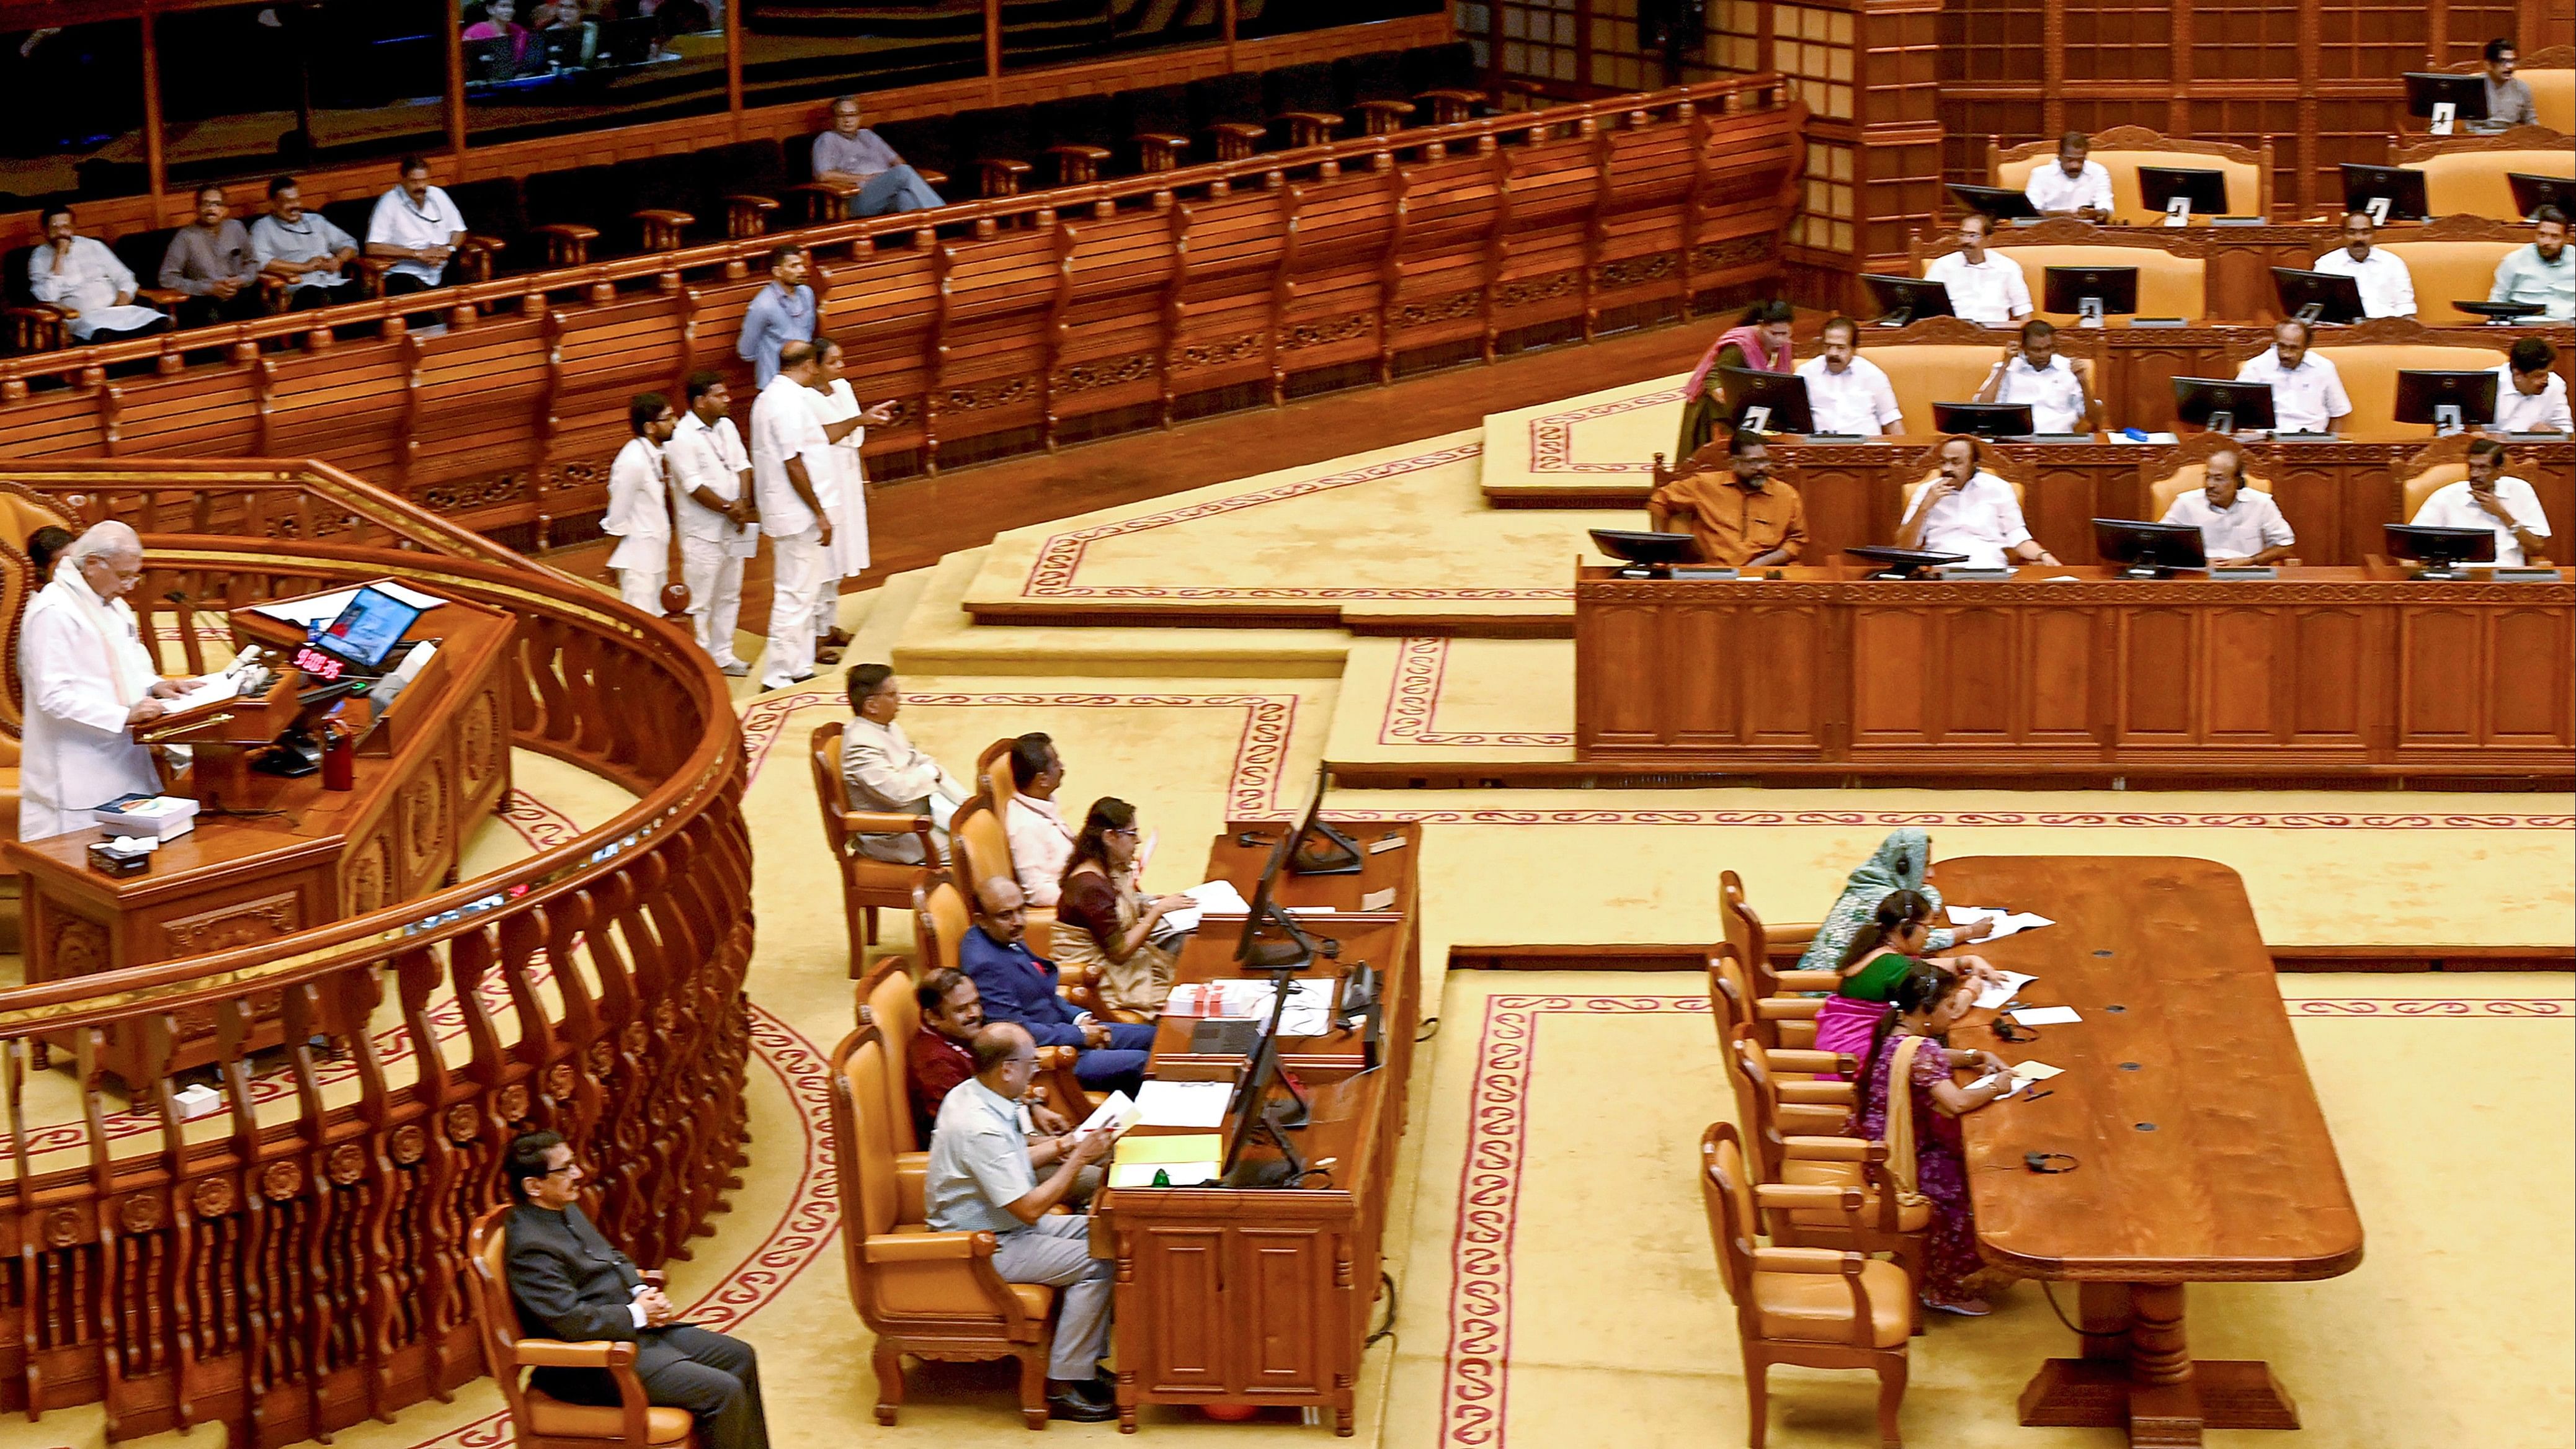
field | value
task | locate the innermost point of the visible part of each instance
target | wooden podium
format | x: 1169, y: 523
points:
x: 272, y: 856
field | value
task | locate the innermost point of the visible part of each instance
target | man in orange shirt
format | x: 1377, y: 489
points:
x: 1740, y: 517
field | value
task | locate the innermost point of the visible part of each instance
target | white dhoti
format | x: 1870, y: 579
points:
x: 796, y: 575
x: 643, y: 588
x: 83, y: 666
x: 713, y: 573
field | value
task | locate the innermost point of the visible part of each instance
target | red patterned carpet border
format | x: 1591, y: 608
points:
x: 1551, y: 436
x: 1421, y: 667
x: 1475, y: 1387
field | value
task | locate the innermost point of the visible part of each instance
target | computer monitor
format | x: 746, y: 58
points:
x: 2401, y: 188
x: 2498, y: 313
x: 1363, y: 1009
x: 2110, y: 291
x: 368, y: 627
x: 1647, y: 555
x: 1903, y: 563
x: 2440, y: 550
x: 2317, y: 296
x: 1984, y: 420
x: 1317, y: 848
x: 2467, y: 94
x: 2450, y: 401
x: 1256, y: 1115
x: 1290, y: 949
x: 1766, y: 402
x: 2531, y: 193
x: 2223, y: 405
x: 2148, y: 550
x: 2206, y: 189
x: 2000, y: 202
x: 1907, y: 299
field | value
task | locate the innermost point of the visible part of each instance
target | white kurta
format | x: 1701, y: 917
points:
x: 637, y: 513
x: 81, y: 673
x: 782, y: 424
x: 846, y: 499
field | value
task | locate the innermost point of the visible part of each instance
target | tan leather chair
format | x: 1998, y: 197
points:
x: 1754, y: 940
x: 2467, y: 175
x: 993, y: 778
x: 1813, y: 1307
x: 2191, y: 478
x: 539, y: 1420
x: 866, y: 883
x: 2168, y: 285
x: 1921, y: 374
x: 930, y: 1294
x: 1773, y: 1109
x: 982, y: 846
x: 2369, y: 370
x: 1778, y: 1022
x: 2123, y: 149
x: 2444, y: 272
x: 2553, y: 96
x: 886, y: 1002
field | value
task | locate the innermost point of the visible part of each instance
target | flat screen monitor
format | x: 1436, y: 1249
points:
x: 1256, y: 1115
x: 2000, y: 202
x: 2531, y: 193
x: 1907, y: 299
x: 2207, y: 190
x: 2333, y: 297
x: 1646, y: 554
x: 2223, y: 405
x: 1903, y: 563
x: 2440, y: 550
x: 2401, y: 188
x: 368, y: 628
x: 2148, y: 550
x: 2467, y: 93
x: 1983, y: 420
x: 2425, y: 396
x: 2498, y: 311
x: 1781, y: 398
x: 1259, y: 950
x: 2114, y: 289
x: 1317, y: 848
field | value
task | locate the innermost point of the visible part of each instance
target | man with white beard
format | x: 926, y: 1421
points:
x: 88, y: 681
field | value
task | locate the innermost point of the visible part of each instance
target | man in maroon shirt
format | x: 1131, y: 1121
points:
x: 937, y: 1059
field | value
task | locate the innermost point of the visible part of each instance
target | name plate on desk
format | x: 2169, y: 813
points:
x: 2259, y: 571
x: 1973, y: 575
x: 1836, y: 438
x: 2305, y: 438
x: 2238, y: 220
x: 2526, y: 576
x: 1701, y: 571
x: 2137, y: 322
x: 2061, y: 437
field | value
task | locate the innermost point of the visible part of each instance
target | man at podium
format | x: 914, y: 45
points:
x: 88, y: 681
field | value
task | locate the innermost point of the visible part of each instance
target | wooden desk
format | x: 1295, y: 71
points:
x: 1263, y: 1296
x: 2201, y: 1154
x: 2319, y: 673
x: 323, y: 855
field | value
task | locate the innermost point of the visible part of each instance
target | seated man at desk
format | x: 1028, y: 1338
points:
x: 1019, y: 986
x: 2056, y: 388
x: 2076, y: 186
x: 2307, y: 392
x: 882, y: 769
x: 2542, y: 273
x: 1847, y: 394
x: 983, y: 1178
x: 2491, y: 498
x: 1969, y: 511
x: 88, y: 682
x: 2237, y: 525
x: 2509, y: 99
x: 1740, y: 518
x: 1041, y: 841
x: 1990, y: 291
x: 2530, y: 396
x: 2387, y: 288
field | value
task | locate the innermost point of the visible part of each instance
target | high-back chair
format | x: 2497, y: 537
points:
x: 934, y: 1295
x: 538, y: 1420
x: 1753, y: 940
x: 887, y: 1002
x: 866, y: 882
x: 2369, y: 355
x: 981, y: 846
x: 1778, y: 1022
x: 1813, y: 1307
x: 1876, y: 1218
x: 2123, y: 149
x: 940, y: 919
x: 1774, y: 1110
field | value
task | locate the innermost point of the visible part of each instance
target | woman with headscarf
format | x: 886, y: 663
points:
x: 1759, y: 343
x: 1898, y: 865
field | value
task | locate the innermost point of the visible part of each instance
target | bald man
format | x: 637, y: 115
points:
x: 88, y: 681
x: 1021, y: 987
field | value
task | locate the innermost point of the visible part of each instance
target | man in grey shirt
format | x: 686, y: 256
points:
x: 213, y: 264
x: 850, y: 154
x: 982, y: 1178
x: 302, y: 249
x: 2509, y: 101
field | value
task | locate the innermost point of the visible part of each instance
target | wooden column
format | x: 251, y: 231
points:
x: 992, y: 52
x: 1896, y: 170
x: 733, y: 67
x: 456, y: 95
x: 153, y: 164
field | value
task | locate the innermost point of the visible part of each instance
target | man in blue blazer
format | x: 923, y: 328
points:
x: 1019, y: 986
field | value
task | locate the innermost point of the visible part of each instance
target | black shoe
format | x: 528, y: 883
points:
x: 1077, y: 1407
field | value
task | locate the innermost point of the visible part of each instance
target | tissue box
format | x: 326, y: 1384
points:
x: 197, y: 1101
x: 157, y: 816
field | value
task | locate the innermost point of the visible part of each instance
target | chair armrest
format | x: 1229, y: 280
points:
x: 162, y: 297
x: 748, y: 215
x: 1159, y: 150
x: 1000, y: 175
x: 1832, y: 1149
x: 1816, y: 1094
x: 823, y: 200
x: 884, y: 822
x: 558, y: 1353
x: 1237, y: 139
x: 1309, y: 128
x: 1807, y: 980
x: 1449, y: 107
x: 1788, y: 1008
x: 1800, y: 934
x: 1052, y: 1057
x: 567, y: 243
x: 1806, y: 1260
x: 1378, y: 118
x: 1797, y: 1118
x: 1093, y: 154
x: 1786, y: 1060
x: 1787, y: 1196
x: 928, y: 1247
x: 663, y: 227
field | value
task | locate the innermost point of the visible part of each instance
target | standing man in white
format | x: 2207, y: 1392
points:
x: 844, y: 493
x: 639, y: 512
x: 88, y: 681
x: 711, y: 481
x: 788, y: 452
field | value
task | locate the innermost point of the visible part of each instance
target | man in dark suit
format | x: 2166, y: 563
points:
x: 1019, y: 986
x: 570, y: 1284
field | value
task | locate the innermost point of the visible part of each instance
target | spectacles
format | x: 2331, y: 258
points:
x: 560, y: 1171
x: 1121, y: 830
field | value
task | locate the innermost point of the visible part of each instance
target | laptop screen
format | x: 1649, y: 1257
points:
x: 369, y: 628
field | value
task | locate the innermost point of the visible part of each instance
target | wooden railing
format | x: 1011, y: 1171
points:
x: 290, y: 1264
x: 993, y: 325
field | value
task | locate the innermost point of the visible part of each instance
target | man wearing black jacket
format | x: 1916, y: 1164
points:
x: 570, y: 1284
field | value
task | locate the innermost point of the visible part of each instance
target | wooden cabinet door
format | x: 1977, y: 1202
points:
x: 1280, y: 1310
x: 1176, y: 1306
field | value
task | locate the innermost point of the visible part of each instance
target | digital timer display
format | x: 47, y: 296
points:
x: 320, y: 664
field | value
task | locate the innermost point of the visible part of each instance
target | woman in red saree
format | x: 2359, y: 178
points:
x: 1760, y: 342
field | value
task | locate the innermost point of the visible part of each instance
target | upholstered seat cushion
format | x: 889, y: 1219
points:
x: 2370, y: 373
x: 1925, y: 373
x: 1817, y: 1307
x: 552, y: 1418
x: 2168, y: 285
x: 1800, y: 1173
x: 2244, y: 180
x: 1796, y: 1119
x: 911, y: 1175
x: 2449, y: 271
x: 2553, y: 97
x: 2473, y: 182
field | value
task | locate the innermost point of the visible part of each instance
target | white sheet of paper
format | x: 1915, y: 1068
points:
x: 1210, y: 897
x: 2035, y: 1071
x: 2047, y: 1016
x: 745, y: 543
x: 322, y: 608
x: 1997, y: 995
x: 2006, y: 923
x: 1116, y: 1115
x: 1184, y: 1104
x: 209, y: 689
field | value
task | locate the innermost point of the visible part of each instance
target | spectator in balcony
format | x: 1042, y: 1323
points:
x: 79, y: 277
x: 2076, y: 186
x: 500, y: 22
x: 1989, y: 291
x: 850, y: 154
x: 212, y: 264
x: 2530, y: 396
x: 639, y: 510
x: 2387, y: 288
x: 417, y: 228
x: 780, y: 313
x: 2509, y: 102
x: 88, y: 680
x: 2543, y: 273
x: 711, y: 488
x: 302, y: 249
x: 1758, y: 342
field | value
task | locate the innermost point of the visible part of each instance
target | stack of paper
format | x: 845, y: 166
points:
x: 1185, y: 1160
x: 1207, y: 898
x: 2006, y: 923
x: 1114, y: 1115
x: 1184, y: 1104
x: 1996, y: 995
x: 1310, y: 1003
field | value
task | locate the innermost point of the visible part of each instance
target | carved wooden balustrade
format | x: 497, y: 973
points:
x: 994, y: 325
x: 290, y: 1264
